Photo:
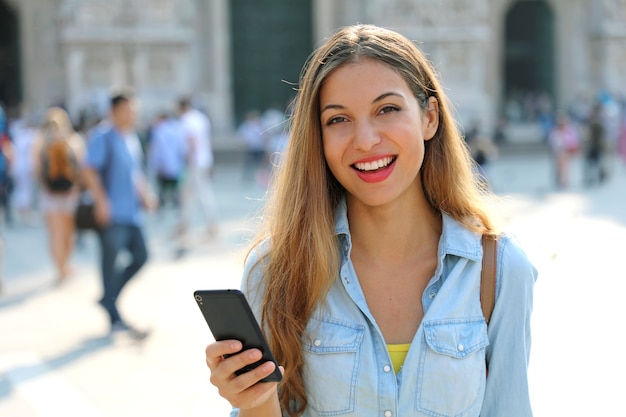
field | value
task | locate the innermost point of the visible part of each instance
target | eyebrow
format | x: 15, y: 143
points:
x: 376, y: 100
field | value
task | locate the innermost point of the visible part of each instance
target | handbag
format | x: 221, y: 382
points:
x: 85, y: 218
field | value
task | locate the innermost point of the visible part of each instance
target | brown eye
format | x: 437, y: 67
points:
x: 335, y: 120
x: 389, y: 109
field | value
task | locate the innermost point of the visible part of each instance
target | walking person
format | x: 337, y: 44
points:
x: 167, y: 158
x: 366, y: 277
x: 24, y: 132
x: 484, y: 151
x: 275, y: 131
x: 57, y: 154
x: 252, y: 132
x: 114, y: 177
x: 622, y: 135
x: 198, y: 184
x: 6, y: 162
x: 6, y: 155
x: 595, y: 171
x: 563, y: 141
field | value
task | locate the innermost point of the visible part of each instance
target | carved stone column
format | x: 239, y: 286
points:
x: 611, y: 36
x: 212, y: 68
x: 145, y: 44
x: 42, y: 67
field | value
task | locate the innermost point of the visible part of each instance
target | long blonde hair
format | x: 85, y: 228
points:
x: 302, y: 261
x: 59, y: 148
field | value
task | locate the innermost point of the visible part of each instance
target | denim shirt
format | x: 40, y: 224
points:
x: 348, y: 371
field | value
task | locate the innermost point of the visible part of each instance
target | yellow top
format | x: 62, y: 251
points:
x: 398, y: 354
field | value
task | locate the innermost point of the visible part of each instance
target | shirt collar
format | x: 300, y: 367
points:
x: 455, y: 238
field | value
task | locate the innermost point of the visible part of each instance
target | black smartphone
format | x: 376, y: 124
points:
x: 229, y: 316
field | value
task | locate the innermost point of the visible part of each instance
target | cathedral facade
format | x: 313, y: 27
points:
x: 233, y: 56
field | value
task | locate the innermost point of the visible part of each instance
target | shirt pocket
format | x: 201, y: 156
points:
x: 451, y: 376
x: 331, y: 365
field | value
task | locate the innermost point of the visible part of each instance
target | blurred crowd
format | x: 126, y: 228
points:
x: 591, y: 127
x: 170, y: 157
x: 178, y: 161
x: 44, y: 158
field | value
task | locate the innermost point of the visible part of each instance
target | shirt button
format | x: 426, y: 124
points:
x: 432, y: 294
x: 317, y: 342
x: 387, y: 368
x: 460, y: 347
x: 388, y: 413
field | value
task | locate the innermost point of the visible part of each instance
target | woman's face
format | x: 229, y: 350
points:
x: 373, y: 132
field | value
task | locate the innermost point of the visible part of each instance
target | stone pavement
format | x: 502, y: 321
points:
x: 57, y: 360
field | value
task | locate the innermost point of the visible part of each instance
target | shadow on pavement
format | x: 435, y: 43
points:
x: 608, y: 200
x: 22, y: 374
x: 14, y: 300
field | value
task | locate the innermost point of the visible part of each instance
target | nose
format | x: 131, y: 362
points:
x: 366, y: 136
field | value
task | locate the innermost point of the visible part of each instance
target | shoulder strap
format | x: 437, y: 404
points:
x: 488, y: 275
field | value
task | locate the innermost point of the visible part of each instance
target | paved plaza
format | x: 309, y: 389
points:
x: 56, y: 358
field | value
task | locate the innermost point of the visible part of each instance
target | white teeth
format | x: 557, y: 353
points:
x: 374, y: 165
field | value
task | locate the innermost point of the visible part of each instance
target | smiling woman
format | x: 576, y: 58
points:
x: 366, y: 277
x: 373, y: 132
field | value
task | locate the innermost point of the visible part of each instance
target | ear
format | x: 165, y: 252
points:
x: 431, y: 118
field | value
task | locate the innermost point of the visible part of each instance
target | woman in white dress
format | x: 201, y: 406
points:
x: 23, y: 132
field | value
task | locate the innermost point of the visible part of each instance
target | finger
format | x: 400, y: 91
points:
x: 229, y: 366
x: 254, y: 395
x: 247, y: 388
x: 255, y: 375
x: 228, y: 369
x: 215, y: 351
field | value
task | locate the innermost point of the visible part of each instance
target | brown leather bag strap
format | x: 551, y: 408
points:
x: 488, y: 275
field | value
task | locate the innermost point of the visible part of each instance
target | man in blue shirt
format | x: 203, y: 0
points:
x: 113, y: 175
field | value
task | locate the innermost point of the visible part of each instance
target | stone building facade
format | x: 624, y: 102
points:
x: 234, y: 55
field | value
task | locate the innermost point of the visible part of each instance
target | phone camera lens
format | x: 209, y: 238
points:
x: 198, y: 298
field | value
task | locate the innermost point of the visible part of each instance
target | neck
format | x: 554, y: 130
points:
x: 396, y: 231
x: 122, y: 128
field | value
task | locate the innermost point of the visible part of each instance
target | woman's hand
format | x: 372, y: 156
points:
x: 102, y: 212
x: 242, y: 391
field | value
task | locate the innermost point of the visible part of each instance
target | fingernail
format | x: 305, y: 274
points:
x: 268, y: 366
